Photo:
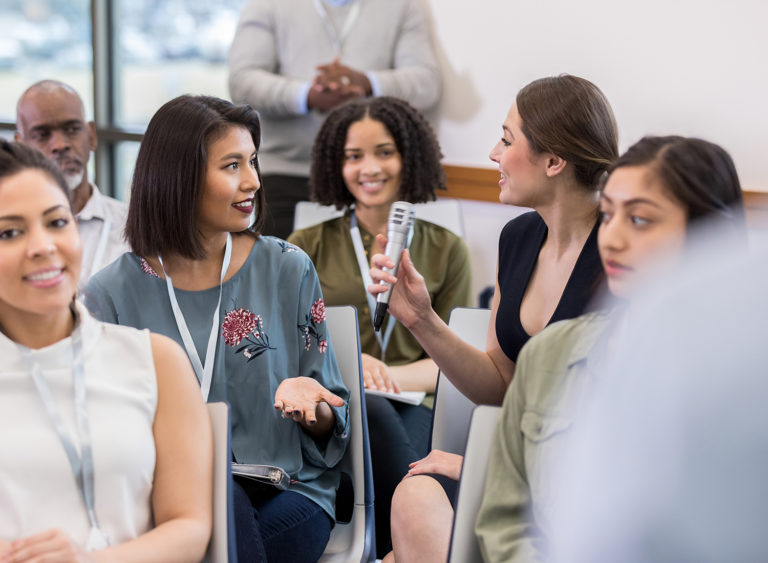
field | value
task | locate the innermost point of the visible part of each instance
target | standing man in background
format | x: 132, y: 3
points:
x: 294, y: 60
x: 50, y: 117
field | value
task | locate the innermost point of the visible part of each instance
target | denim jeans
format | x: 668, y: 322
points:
x: 272, y: 525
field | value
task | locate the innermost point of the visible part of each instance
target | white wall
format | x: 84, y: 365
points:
x: 689, y: 67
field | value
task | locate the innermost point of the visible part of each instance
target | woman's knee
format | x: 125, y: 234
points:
x: 416, y: 496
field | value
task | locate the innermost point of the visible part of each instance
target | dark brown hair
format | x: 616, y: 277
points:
x: 570, y: 117
x: 699, y: 174
x: 414, y: 138
x: 170, y: 174
x: 16, y: 157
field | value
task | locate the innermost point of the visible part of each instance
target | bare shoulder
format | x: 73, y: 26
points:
x: 172, y: 367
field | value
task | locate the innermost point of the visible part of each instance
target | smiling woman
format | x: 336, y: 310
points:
x: 248, y: 310
x: 142, y: 437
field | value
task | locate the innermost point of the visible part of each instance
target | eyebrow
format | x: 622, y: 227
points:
x: 20, y: 218
x: 387, y: 144
x: 236, y: 155
x: 635, y: 201
x: 69, y: 123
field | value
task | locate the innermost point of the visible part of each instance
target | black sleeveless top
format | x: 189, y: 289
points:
x: 519, y: 246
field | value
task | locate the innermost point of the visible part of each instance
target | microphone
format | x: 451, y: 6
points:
x: 398, y: 229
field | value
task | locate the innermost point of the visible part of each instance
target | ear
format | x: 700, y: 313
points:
x: 555, y: 165
x: 16, y: 136
x: 92, y: 135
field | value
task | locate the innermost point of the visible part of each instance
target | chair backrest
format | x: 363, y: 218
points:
x: 354, y: 541
x: 482, y: 432
x: 443, y: 212
x: 221, y: 548
x: 453, y: 410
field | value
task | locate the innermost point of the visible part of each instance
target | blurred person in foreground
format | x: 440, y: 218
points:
x: 106, y: 444
x: 656, y: 195
x: 51, y: 118
x: 670, y: 464
x: 295, y: 60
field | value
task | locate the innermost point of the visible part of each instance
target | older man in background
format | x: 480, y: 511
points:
x: 50, y: 117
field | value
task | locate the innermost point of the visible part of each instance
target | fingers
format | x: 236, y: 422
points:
x: 51, y: 545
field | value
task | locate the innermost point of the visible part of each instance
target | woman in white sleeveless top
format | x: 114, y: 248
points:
x: 106, y: 444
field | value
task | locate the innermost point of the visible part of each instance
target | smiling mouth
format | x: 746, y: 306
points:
x: 45, y: 276
x: 244, y: 206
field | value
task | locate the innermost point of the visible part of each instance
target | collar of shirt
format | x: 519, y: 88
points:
x: 338, y: 2
x: 94, y: 208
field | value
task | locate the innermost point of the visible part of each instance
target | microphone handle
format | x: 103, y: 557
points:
x: 395, y: 245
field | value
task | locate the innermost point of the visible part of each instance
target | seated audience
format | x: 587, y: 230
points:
x: 50, y: 117
x: 248, y: 310
x: 655, y: 195
x: 106, y: 444
x: 558, y: 139
x: 368, y: 154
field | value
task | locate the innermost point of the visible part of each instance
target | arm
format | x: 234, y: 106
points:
x: 503, y: 527
x: 414, y: 75
x: 182, y: 488
x: 253, y: 65
x: 483, y: 376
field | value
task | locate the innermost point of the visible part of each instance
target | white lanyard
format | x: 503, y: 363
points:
x: 362, y: 262
x: 204, y: 373
x: 338, y: 38
x: 81, y: 465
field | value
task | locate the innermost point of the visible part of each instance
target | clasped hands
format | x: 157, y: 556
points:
x: 336, y: 83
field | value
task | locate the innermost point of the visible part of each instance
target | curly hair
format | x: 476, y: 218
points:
x: 169, y: 177
x: 422, y: 172
x: 16, y: 157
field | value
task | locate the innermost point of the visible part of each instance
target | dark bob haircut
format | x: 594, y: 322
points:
x: 16, y: 157
x: 699, y: 174
x: 170, y: 174
x: 570, y: 117
x: 414, y: 138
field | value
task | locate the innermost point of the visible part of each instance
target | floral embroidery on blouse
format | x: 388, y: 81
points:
x: 287, y: 247
x: 146, y: 268
x: 311, y: 327
x: 241, y: 324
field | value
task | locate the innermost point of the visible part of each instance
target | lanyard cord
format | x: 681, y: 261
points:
x: 81, y: 465
x: 337, y: 38
x: 362, y: 262
x: 204, y: 372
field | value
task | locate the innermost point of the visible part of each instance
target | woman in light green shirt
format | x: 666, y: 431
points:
x: 654, y: 194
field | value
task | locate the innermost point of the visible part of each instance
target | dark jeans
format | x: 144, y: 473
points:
x: 283, y: 192
x: 272, y: 525
x: 399, y: 434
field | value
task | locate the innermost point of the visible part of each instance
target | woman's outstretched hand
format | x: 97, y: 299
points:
x: 305, y: 401
x: 410, y: 300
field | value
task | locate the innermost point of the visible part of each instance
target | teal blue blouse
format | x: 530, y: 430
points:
x: 272, y: 326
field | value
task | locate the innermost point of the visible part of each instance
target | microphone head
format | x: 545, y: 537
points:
x: 401, y: 215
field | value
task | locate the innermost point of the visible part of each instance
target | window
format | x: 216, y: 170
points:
x: 139, y: 54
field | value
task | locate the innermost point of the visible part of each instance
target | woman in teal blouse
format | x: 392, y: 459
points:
x: 248, y: 309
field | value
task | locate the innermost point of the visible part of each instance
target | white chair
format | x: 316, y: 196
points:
x: 355, y: 541
x: 482, y: 431
x: 443, y: 212
x: 222, y: 545
x: 452, y: 411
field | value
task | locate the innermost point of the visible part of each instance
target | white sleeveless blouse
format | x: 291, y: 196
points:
x: 37, y: 488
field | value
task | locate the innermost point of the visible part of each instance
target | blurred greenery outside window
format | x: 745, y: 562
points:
x: 161, y: 49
